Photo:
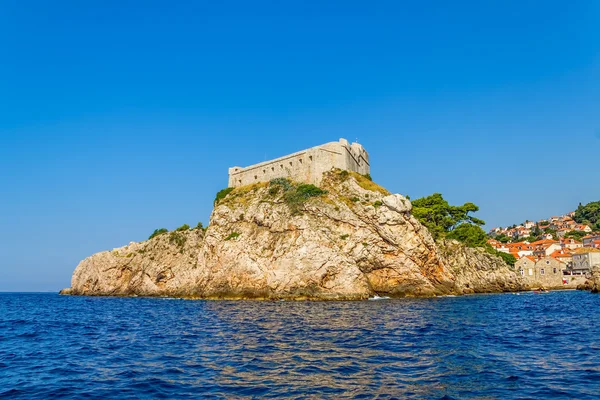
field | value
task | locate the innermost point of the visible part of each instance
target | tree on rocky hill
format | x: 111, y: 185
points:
x: 440, y: 217
x: 589, y: 215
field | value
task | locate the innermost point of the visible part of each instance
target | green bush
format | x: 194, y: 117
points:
x: 177, y: 238
x: 508, y: 258
x: 344, y: 174
x: 307, y: 190
x: 294, y: 195
x: 222, y: 194
x: 284, y: 183
x: 344, y: 237
x: 157, y: 232
x: 377, y: 204
x: 233, y: 235
x: 182, y: 228
x: 368, y: 176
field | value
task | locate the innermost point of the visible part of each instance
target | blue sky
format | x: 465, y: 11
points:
x: 119, y: 117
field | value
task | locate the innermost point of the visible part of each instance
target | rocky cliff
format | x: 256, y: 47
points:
x: 592, y: 283
x: 280, y: 240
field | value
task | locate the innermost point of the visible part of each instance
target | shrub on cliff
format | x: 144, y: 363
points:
x: 178, y: 239
x: 182, y: 228
x: 294, y: 195
x: 222, y: 194
x: 158, y: 232
x: 508, y: 258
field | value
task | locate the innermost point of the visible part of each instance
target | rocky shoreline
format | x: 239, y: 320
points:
x: 348, y: 240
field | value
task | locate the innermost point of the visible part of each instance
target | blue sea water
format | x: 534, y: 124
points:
x: 488, y: 346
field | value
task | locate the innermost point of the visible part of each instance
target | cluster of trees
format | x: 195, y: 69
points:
x: 589, y: 215
x: 454, y: 222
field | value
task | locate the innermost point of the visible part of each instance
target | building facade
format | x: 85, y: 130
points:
x: 585, y: 259
x: 546, y: 272
x: 305, y: 166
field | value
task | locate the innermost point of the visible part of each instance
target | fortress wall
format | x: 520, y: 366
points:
x: 305, y: 166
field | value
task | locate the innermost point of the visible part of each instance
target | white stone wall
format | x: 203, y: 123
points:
x: 305, y: 166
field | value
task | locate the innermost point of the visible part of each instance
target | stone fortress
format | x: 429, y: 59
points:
x: 305, y: 166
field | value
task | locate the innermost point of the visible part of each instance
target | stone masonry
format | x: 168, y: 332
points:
x: 305, y: 166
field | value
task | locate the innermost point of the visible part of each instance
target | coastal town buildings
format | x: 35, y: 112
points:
x: 592, y: 241
x: 585, y: 259
x: 544, y: 272
x: 548, y: 252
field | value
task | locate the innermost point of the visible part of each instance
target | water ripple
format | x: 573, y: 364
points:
x: 489, y: 347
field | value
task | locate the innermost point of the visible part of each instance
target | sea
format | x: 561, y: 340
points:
x: 501, y: 346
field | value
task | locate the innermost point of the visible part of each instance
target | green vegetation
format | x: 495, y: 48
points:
x: 440, y: 217
x: 364, y: 181
x: 233, y: 235
x: 182, y: 228
x: 508, y: 258
x: 294, y: 195
x: 157, y: 232
x: 469, y: 234
x: 577, y: 235
x: 455, y: 222
x: 502, y: 238
x: 344, y: 237
x: 177, y: 238
x: 377, y: 204
x: 222, y: 194
x: 589, y: 215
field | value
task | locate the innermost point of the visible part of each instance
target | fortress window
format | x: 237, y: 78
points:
x: 300, y: 161
x: 255, y: 176
x: 264, y: 171
x: 281, y: 166
x: 310, y: 158
x: 291, y: 163
x: 240, y: 181
x: 273, y: 169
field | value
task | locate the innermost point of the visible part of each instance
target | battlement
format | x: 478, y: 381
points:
x: 305, y: 166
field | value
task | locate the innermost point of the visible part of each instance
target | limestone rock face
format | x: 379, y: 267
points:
x: 353, y: 242
x: 476, y: 271
x: 592, y: 283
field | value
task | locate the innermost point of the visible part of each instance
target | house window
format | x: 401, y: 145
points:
x: 530, y: 272
x: 547, y: 262
x: 542, y: 271
x: 522, y: 272
x: 554, y: 270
